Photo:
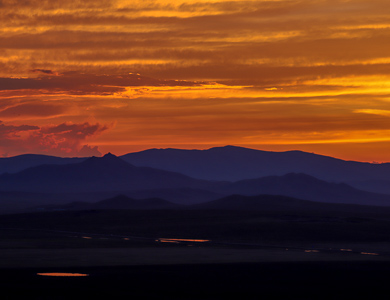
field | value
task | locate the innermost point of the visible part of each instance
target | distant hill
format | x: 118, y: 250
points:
x: 264, y: 203
x: 305, y: 187
x: 118, y: 202
x: 99, y: 177
x: 21, y: 162
x: 177, y: 195
x: 14, y: 201
x: 259, y: 202
x: 267, y: 203
x: 237, y: 163
x: 96, y: 174
x: 375, y: 186
x: 124, y: 202
x: 231, y: 163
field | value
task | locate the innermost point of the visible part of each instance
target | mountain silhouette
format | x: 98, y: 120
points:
x: 231, y: 163
x: 306, y: 187
x: 21, y: 162
x: 264, y: 203
x: 98, y: 177
x: 183, y: 195
x: 107, y: 173
x: 124, y: 202
x: 279, y: 203
x: 117, y: 202
x: 237, y: 163
x: 258, y: 202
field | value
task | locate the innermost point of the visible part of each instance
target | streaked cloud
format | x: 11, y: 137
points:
x: 202, y: 72
x: 65, y: 139
x: 380, y: 112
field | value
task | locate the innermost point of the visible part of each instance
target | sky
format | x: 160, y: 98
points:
x: 82, y: 78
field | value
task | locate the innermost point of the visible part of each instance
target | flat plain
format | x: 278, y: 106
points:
x: 195, y: 254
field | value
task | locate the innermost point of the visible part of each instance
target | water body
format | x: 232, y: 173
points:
x: 63, y: 274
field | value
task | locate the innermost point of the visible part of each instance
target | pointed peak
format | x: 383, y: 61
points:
x: 108, y: 158
x: 109, y: 155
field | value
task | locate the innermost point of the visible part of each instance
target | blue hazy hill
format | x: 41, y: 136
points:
x: 107, y: 173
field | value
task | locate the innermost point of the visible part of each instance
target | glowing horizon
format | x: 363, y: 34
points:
x: 82, y: 79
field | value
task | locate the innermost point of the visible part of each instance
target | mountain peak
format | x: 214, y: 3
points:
x: 228, y: 148
x: 107, y: 159
x: 109, y: 155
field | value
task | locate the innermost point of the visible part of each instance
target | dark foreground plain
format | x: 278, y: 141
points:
x: 277, y: 280
x: 196, y: 254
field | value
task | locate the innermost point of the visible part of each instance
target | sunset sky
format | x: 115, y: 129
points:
x: 81, y: 78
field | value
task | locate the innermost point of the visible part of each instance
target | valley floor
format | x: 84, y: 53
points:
x: 257, y: 280
x: 190, y: 254
x: 195, y: 255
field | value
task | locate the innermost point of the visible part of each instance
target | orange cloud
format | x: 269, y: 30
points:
x: 214, y: 72
x: 35, y: 109
x: 65, y: 139
x: 88, y: 84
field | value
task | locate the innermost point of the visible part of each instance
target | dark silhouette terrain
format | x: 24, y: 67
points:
x: 284, y: 280
x: 232, y: 163
x: 261, y: 203
x: 127, y: 227
x: 97, y: 179
x: 96, y: 174
x: 248, y: 238
x: 237, y: 163
x: 118, y: 202
x: 21, y: 162
x: 305, y: 187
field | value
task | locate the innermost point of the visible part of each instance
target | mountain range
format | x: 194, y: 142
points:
x: 98, y: 178
x: 231, y: 163
x: 237, y: 163
x: 95, y: 174
x: 117, y: 202
x: 304, y: 187
x: 19, y: 163
x: 263, y: 203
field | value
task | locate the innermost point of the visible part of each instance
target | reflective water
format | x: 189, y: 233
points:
x: 166, y: 240
x: 369, y: 253
x: 63, y: 274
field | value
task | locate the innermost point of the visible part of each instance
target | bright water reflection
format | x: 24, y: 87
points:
x: 369, y: 253
x: 63, y: 274
x: 177, y: 241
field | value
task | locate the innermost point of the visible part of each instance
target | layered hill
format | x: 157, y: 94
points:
x: 229, y: 163
x: 270, y: 203
x: 303, y: 186
x: 96, y: 174
x: 99, y: 178
x: 237, y: 163
x: 117, y: 202
x: 21, y: 162
x: 260, y: 203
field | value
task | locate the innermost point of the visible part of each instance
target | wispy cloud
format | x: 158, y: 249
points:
x: 89, y: 84
x: 379, y: 112
x: 237, y: 72
x: 65, y: 139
